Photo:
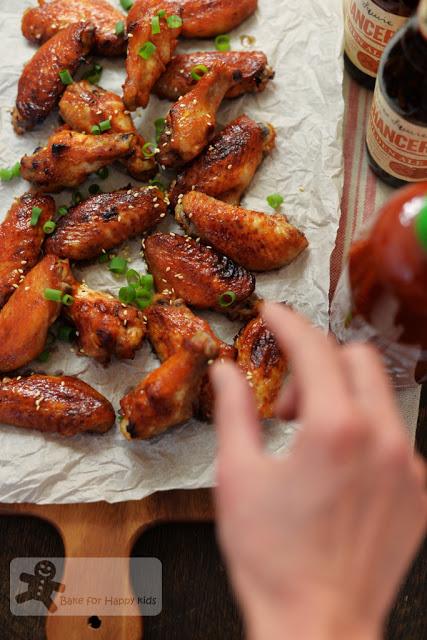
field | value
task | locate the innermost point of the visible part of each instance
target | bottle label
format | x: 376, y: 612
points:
x: 368, y: 29
x: 397, y: 146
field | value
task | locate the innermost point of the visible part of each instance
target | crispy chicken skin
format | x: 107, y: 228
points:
x: 169, y: 395
x: 105, y: 221
x: 263, y: 364
x: 226, y: 168
x: 63, y: 405
x: 184, y: 268
x: 39, y: 24
x: 21, y: 242
x: 208, y: 18
x: 105, y: 327
x: 26, y: 317
x: 40, y: 87
x: 143, y: 73
x: 84, y: 105
x: 255, y: 240
x: 177, y: 79
x: 190, y: 123
x: 170, y: 323
x: 70, y: 157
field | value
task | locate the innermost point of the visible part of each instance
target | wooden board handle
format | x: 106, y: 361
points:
x: 103, y: 530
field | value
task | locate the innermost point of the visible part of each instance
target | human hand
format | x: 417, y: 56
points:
x: 318, y: 541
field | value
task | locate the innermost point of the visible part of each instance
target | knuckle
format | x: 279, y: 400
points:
x: 347, y: 432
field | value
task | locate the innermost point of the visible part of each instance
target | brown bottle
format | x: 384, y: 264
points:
x: 369, y: 26
x: 397, y: 128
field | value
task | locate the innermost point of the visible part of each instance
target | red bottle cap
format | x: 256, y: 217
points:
x: 421, y: 226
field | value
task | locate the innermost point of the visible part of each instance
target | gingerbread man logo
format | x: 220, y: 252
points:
x: 41, y: 585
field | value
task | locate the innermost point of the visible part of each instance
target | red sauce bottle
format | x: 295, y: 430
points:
x: 369, y: 26
x: 397, y: 129
x: 388, y: 279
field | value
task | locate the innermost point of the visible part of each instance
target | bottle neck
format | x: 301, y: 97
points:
x: 421, y: 226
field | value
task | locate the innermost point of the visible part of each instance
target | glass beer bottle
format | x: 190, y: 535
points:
x: 369, y: 26
x: 397, y: 128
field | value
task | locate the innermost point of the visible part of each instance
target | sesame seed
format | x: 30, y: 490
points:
x: 230, y: 166
x: 168, y: 269
x: 163, y: 215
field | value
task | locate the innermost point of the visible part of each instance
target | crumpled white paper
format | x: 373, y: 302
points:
x: 303, y: 40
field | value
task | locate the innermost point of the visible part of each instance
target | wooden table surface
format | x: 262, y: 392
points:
x: 197, y: 601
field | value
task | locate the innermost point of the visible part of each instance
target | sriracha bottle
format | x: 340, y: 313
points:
x: 387, y: 284
x: 369, y: 26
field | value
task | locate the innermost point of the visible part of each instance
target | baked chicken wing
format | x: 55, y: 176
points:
x: 191, y: 121
x: 85, y: 105
x: 70, y: 157
x: 41, y: 23
x: 61, y: 404
x: 263, y: 364
x: 40, y: 85
x: 226, y: 168
x: 105, y: 221
x: 105, y: 326
x: 21, y: 241
x: 178, y: 80
x: 208, y: 18
x: 27, y: 315
x: 184, y: 268
x: 170, y: 324
x: 149, y: 48
x: 169, y: 395
x: 255, y: 240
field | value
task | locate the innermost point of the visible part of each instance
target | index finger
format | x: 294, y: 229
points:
x: 320, y: 384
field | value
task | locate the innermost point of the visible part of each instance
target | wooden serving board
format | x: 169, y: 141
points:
x: 110, y: 530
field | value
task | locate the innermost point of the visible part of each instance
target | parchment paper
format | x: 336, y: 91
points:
x: 303, y: 40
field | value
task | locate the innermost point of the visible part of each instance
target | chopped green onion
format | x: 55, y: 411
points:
x: 127, y: 295
x: 157, y: 183
x: 149, y: 149
x: 96, y: 130
x: 103, y: 173
x: 76, y: 197
x: 222, y: 43
x: 66, y: 77
x: 275, y: 200
x: 103, y: 258
x: 49, y: 227
x: 174, y: 22
x: 227, y: 299
x: 161, y: 13
x: 66, y: 333
x: 35, y: 215
x: 199, y: 71
x: 105, y: 125
x: 120, y: 28
x: 54, y: 295
x: 133, y: 277
x: 94, y: 189
x: 9, y: 173
x: 147, y: 50
x: 144, y: 301
x: 159, y: 126
x: 118, y: 265
x: 44, y: 356
x: 93, y: 75
x: 62, y: 211
x: 126, y: 4
x: 155, y: 25
x: 68, y: 300
x: 147, y: 282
